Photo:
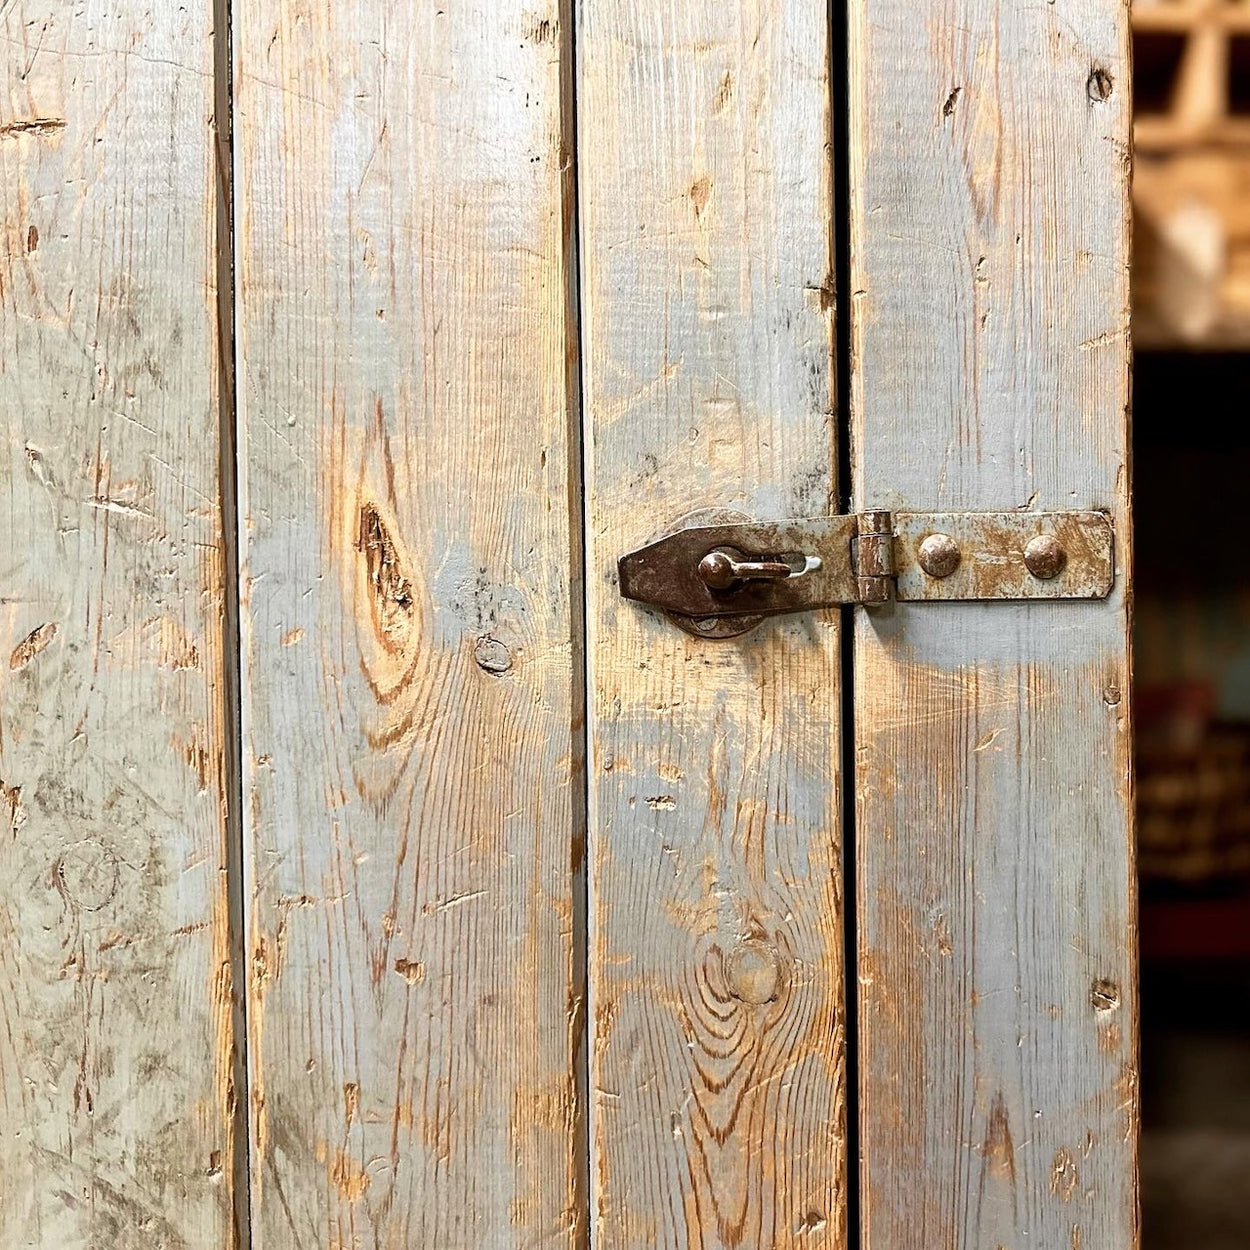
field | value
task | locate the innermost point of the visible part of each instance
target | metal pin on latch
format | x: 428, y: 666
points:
x: 725, y: 567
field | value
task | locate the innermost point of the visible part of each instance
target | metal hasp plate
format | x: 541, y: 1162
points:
x: 1007, y: 555
x: 770, y: 567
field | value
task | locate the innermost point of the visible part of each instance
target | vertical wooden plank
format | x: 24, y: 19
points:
x: 989, y: 258
x: 717, y: 1078
x: 115, y: 1015
x: 412, y: 649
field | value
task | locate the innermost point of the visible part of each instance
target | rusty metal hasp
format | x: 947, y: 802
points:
x: 751, y: 569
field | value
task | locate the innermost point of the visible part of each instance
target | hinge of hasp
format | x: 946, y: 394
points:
x: 763, y: 568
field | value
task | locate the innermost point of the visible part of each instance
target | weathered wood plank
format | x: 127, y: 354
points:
x: 115, y: 1016
x: 990, y: 248
x: 412, y: 652
x: 717, y: 1078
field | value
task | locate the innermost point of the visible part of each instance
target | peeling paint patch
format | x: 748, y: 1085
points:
x: 11, y: 798
x: 40, y: 127
x: 1063, y: 1174
x: 30, y: 646
x: 412, y: 970
x: 350, y: 1179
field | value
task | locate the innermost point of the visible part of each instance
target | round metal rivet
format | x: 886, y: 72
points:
x: 939, y: 555
x: 1044, y: 557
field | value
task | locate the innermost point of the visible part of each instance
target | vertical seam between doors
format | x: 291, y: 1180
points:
x: 231, y: 694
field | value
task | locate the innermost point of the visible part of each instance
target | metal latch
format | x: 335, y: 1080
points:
x: 719, y: 580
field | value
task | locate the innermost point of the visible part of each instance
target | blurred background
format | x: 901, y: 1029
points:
x: 1191, y: 445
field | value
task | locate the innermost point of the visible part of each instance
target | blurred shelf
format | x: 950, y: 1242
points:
x: 1193, y: 796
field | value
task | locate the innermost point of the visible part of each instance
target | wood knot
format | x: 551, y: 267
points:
x: 390, y: 590
x: 86, y: 875
x: 754, y: 973
x: 491, y: 655
x: 700, y: 192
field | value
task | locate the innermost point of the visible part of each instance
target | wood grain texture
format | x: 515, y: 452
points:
x: 990, y: 297
x: 115, y: 1013
x: 413, y: 657
x: 717, y: 1046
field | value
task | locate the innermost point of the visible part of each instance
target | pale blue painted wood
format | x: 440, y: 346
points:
x: 996, y: 888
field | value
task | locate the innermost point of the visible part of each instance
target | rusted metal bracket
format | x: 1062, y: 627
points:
x: 718, y: 580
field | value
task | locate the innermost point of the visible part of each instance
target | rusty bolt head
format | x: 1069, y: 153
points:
x: 939, y: 555
x: 717, y: 570
x: 1044, y: 557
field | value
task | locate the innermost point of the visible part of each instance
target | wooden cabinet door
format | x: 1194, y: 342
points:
x: 995, y: 888
x: 412, y: 642
x: 119, y: 1075
x: 717, y: 1042
x: 376, y: 877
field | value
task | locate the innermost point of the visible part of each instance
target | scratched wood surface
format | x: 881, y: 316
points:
x: 412, y: 758
x: 989, y: 249
x: 115, y: 1017
x: 717, y: 1043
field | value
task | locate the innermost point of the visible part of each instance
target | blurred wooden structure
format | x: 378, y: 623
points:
x: 1191, y: 281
